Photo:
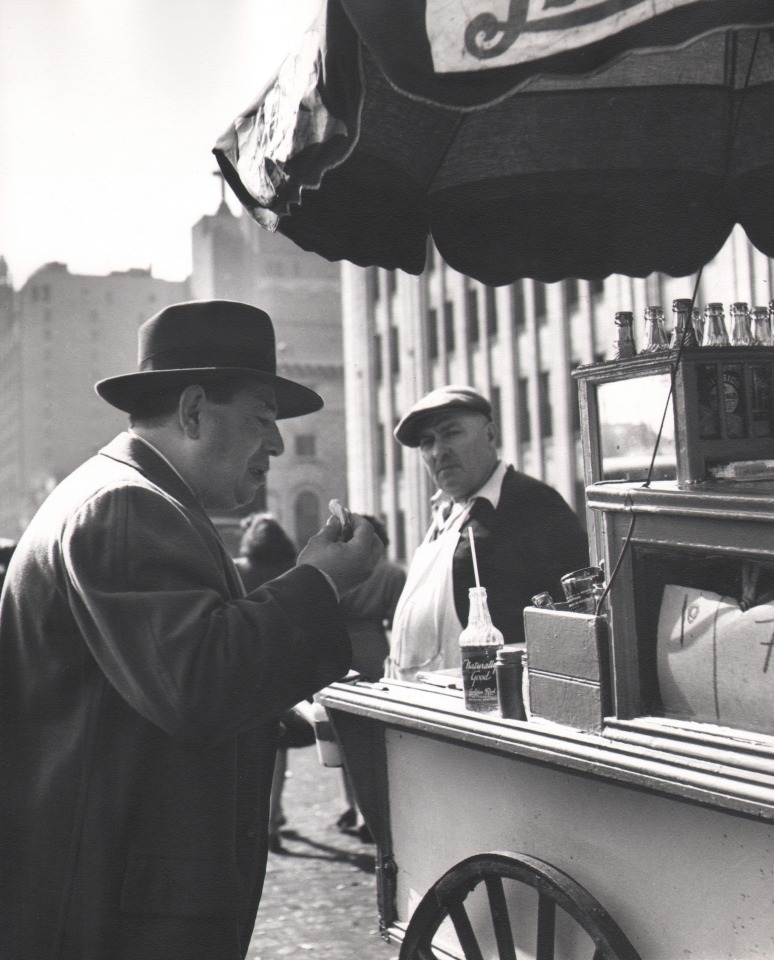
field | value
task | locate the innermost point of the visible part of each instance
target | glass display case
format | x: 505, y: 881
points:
x: 691, y: 608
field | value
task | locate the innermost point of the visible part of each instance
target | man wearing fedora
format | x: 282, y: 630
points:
x: 139, y: 685
x: 526, y: 537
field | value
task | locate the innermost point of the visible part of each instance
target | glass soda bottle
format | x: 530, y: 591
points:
x: 715, y: 333
x: 479, y: 643
x: 698, y: 325
x: 623, y: 346
x: 741, y: 334
x: 761, y: 326
x: 682, y: 332
x: 656, y: 338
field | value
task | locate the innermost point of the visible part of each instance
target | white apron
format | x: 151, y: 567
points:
x: 426, y: 629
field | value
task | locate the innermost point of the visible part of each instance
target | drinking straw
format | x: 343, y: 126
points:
x: 473, y: 554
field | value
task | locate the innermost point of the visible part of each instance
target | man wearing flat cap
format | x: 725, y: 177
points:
x: 526, y: 537
x: 139, y: 685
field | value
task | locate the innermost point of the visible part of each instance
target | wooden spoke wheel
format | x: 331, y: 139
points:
x: 446, y: 899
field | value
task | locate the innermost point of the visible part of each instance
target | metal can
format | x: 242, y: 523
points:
x: 508, y: 671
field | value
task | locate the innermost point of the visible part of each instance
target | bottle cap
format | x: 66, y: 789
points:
x: 510, y: 653
x: 681, y: 304
x: 739, y: 307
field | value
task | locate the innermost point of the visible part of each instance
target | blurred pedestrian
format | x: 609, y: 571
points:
x: 140, y: 687
x: 266, y: 552
x: 368, y: 610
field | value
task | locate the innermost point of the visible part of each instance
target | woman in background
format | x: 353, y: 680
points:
x: 368, y: 610
x: 266, y: 552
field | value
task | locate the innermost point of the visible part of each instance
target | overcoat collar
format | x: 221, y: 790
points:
x: 131, y: 450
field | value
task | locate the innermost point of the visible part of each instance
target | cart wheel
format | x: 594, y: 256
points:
x: 446, y: 898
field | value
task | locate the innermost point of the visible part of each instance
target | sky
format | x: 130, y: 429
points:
x: 109, y: 110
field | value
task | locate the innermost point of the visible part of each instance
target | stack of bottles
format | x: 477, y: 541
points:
x: 692, y: 327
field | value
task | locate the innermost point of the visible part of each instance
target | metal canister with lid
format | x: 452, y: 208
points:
x: 508, y: 671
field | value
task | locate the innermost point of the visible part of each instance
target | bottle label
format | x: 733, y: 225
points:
x: 730, y: 398
x: 479, y: 682
x: 761, y: 400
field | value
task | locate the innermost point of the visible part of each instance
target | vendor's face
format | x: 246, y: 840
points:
x: 236, y: 440
x: 459, y: 448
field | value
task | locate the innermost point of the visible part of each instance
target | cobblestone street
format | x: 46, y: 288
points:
x: 319, y: 899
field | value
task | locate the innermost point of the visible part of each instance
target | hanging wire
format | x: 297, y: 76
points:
x: 649, y: 477
x: 675, y: 366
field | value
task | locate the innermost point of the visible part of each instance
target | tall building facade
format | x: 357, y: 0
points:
x: 234, y: 258
x: 59, y: 334
x: 405, y: 335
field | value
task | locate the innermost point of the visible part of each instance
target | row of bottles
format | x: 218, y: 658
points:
x: 692, y: 328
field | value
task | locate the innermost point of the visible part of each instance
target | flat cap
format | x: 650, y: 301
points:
x: 442, y: 399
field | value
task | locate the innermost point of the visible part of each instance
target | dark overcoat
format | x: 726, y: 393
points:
x: 139, y: 690
x: 522, y: 548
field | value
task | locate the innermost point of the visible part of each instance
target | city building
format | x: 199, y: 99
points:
x: 59, y: 334
x: 405, y: 335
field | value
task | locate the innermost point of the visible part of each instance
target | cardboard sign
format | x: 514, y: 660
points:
x: 716, y: 661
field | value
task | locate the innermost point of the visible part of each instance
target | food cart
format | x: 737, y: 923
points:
x: 632, y: 814
x: 639, y: 794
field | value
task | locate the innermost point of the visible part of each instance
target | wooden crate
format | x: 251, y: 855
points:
x: 568, y: 667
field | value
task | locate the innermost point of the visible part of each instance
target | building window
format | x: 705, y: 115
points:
x: 571, y: 293
x: 491, y: 311
x: 517, y: 305
x: 448, y: 326
x: 525, y: 422
x: 373, y: 283
x: 381, y: 458
x: 496, y: 401
x: 432, y: 333
x: 378, y: 358
x: 306, y: 445
x: 394, y: 350
x: 540, y: 302
x: 398, y: 453
x: 400, y: 535
x: 574, y: 398
x: 307, y: 516
x: 546, y: 414
x: 471, y: 303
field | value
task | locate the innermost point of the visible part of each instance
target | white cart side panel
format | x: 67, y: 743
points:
x: 681, y: 880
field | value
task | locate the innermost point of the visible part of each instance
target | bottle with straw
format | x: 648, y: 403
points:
x: 479, y: 643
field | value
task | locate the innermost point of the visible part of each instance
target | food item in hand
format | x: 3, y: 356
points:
x: 343, y: 516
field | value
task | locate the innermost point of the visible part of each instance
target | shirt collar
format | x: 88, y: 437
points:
x: 489, y: 491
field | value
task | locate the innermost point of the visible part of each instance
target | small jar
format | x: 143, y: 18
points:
x: 508, y: 670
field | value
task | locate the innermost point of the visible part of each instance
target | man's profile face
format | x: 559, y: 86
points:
x: 236, y: 441
x: 459, y: 449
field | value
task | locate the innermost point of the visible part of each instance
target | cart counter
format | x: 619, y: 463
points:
x: 669, y: 825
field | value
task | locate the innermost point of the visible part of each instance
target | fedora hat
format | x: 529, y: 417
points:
x: 207, y: 340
